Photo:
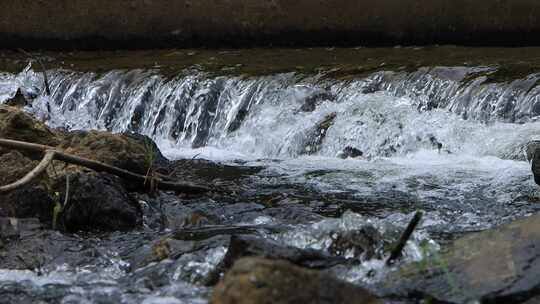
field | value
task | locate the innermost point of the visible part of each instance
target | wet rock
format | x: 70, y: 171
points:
x: 350, y: 152
x: 206, y: 171
x: 33, y: 248
x: 248, y: 246
x: 435, y: 143
x: 99, y: 202
x: 318, y: 134
x: 531, y: 149
x: 365, y: 243
x: 243, y: 246
x: 495, y: 266
x: 18, y: 125
x: 169, y: 248
x: 32, y: 200
x: 257, y: 280
x: 311, y: 102
x: 523, y: 152
x: 534, y: 156
x: 12, y: 229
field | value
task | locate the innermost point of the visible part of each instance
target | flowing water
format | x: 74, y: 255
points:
x: 442, y: 139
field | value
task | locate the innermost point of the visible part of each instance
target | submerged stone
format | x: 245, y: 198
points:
x: 257, y: 280
x: 499, y: 265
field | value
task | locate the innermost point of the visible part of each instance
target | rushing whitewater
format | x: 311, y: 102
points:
x: 436, y: 137
x: 443, y: 140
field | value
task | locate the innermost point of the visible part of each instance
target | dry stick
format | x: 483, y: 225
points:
x: 101, y: 167
x: 396, y: 252
x: 36, y: 172
x: 66, y: 199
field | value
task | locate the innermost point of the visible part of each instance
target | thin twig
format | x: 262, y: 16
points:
x: 36, y: 172
x: 398, y: 249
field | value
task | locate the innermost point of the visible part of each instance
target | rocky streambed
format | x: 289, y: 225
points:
x: 311, y: 178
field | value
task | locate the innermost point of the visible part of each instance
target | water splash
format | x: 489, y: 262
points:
x: 385, y: 114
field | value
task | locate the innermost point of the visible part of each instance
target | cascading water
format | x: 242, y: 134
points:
x: 438, y: 136
x: 442, y: 139
x: 385, y: 114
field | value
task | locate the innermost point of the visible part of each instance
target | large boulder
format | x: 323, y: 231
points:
x: 96, y: 201
x: 258, y: 280
x: 494, y: 266
x: 135, y: 153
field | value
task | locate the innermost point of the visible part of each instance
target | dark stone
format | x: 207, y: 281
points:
x: 98, y: 202
x: 350, y: 152
x: 12, y: 229
x: 151, y: 146
x: 534, y: 153
x: 311, y: 102
x: 316, y: 136
x: 257, y: 280
x: 531, y: 149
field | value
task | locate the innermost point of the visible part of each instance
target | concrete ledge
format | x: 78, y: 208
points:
x: 109, y: 24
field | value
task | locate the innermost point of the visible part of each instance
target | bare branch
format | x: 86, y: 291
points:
x: 35, y: 173
x: 185, y: 187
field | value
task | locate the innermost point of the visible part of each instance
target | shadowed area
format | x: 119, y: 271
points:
x: 139, y: 24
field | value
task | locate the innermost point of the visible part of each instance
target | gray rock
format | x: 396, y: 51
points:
x: 494, y: 266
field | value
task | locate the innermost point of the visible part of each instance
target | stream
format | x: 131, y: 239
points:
x: 441, y: 139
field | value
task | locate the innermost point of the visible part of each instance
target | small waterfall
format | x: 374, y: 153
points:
x: 454, y: 109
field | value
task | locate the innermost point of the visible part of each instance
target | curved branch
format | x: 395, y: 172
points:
x: 35, y: 173
x: 101, y: 167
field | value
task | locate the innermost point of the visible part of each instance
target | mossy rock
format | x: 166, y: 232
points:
x: 18, y: 125
x: 262, y: 281
x: 129, y: 152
